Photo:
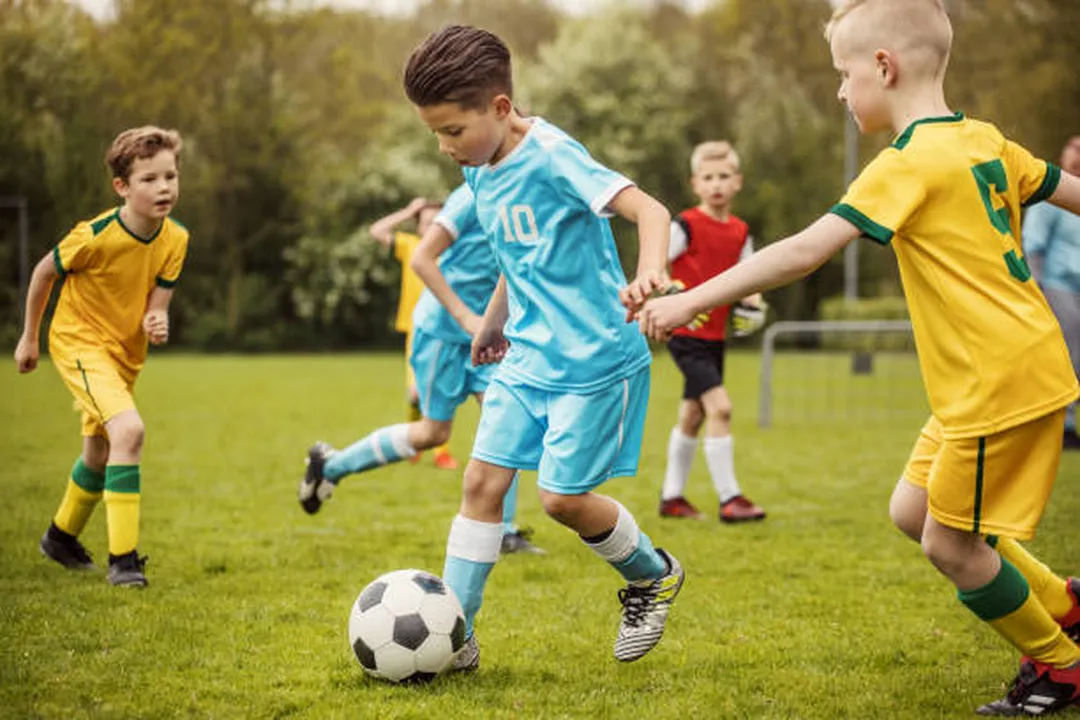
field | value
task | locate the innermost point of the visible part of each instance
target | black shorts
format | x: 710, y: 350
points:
x: 701, y: 363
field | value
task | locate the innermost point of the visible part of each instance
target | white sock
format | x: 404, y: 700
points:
x: 720, y: 457
x: 680, y: 456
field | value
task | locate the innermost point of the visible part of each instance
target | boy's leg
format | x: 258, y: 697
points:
x: 81, y: 496
x: 682, y: 445
x: 123, y: 498
x: 999, y: 485
x: 720, y: 456
x: 592, y: 438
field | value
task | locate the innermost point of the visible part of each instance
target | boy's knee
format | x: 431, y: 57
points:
x: 126, y: 433
x: 95, y: 452
x: 432, y: 433
x: 907, y: 510
x: 560, y: 507
x: 690, y: 418
x: 482, y: 488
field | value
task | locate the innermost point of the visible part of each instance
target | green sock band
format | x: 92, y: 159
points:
x: 992, y: 541
x: 92, y: 481
x: 1000, y: 597
x: 122, y: 478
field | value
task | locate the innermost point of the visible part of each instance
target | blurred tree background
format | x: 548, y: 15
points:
x: 297, y: 134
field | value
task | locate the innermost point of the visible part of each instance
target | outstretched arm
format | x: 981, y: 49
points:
x: 778, y: 264
x: 654, y: 231
x: 425, y: 264
x: 37, y: 296
x: 383, y: 228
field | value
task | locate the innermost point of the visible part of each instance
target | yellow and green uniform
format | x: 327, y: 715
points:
x: 98, y: 345
x: 947, y: 196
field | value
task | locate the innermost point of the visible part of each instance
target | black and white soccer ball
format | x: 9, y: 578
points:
x: 406, y: 626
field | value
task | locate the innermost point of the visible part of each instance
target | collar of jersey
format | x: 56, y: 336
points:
x: 905, y: 137
x: 144, y: 241
x: 533, y: 122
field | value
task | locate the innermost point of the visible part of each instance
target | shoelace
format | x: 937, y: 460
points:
x: 635, y: 601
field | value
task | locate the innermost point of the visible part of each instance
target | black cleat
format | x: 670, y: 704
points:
x: 1039, y: 689
x: 71, y: 554
x: 127, y: 570
x: 518, y: 542
x: 314, y: 488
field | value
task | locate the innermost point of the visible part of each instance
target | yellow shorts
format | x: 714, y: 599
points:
x: 410, y: 376
x: 102, y: 387
x: 993, y: 485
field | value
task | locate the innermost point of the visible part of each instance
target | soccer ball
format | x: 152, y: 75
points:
x: 406, y: 626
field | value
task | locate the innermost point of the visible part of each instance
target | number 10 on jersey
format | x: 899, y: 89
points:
x: 519, y: 224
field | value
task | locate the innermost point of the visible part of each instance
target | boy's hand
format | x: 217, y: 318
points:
x: 634, y: 295
x: 747, y: 318
x: 417, y: 204
x: 489, y: 345
x: 473, y: 323
x: 26, y: 354
x: 661, y: 315
x: 156, y: 325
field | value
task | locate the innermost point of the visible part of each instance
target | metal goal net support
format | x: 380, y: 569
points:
x: 840, y: 372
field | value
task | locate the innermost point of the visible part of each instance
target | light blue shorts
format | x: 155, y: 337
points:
x: 575, y: 442
x: 445, y: 375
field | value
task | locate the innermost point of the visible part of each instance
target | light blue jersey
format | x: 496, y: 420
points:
x: 543, y: 208
x: 468, y: 266
x: 1053, y: 235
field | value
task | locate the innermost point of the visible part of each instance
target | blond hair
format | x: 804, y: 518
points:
x: 138, y: 144
x: 713, y: 150
x: 919, y: 29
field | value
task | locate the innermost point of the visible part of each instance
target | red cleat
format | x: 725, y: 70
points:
x: 415, y: 458
x: 738, y: 509
x: 1038, y: 689
x: 680, y: 507
x: 446, y: 461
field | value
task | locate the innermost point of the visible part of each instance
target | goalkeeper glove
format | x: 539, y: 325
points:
x: 678, y: 286
x: 747, y: 319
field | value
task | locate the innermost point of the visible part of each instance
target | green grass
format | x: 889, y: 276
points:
x: 822, y: 611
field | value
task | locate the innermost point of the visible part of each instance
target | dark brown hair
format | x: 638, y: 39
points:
x: 459, y: 64
x: 140, y: 143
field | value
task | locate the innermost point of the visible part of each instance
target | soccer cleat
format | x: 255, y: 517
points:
x: 680, y: 507
x: 1039, y: 689
x: 645, y: 610
x: 518, y: 542
x: 738, y: 509
x: 127, y: 570
x: 446, y: 461
x: 468, y: 657
x: 1071, y: 622
x: 71, y: 555
x: 314, y: 488
x: 416, y: 457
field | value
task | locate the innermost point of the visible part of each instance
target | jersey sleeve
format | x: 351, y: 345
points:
x: 747, y: 248
x: 1035, y: 179
x: 883, y: 196
x: 458, y: 213
x: 680, y: 238
x: 582, y: 177
x: 74, y: 252
x: 169, y: 273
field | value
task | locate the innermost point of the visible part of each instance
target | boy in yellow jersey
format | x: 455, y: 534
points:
x: 947, y: 194
x: 119, y: 270
x: 403, y: 245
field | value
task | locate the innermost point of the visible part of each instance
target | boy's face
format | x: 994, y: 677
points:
x: 1070, y: 157
x: 469, y: 137
x: 716, y: 182
x: 862, y: 81
x: 152, y: 186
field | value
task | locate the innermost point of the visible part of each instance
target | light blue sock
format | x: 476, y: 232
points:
x: 382, y: 447
x: 510, y: 506
x: 471, y: 552
x: 630, y: 551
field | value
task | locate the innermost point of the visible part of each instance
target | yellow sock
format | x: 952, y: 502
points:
x: 80, y: 498
x: 1051, y: 590
x: 1007, y: 605
x: 122, y: 507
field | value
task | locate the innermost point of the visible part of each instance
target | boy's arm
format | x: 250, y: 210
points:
x: 489, y: 345
x: 37, y: 295
x: 383, y: 228
x: 1067, y: 193
x: 778, y: 264
x: 654, y: 230
x: 425, y: 264
x: 156, y: 319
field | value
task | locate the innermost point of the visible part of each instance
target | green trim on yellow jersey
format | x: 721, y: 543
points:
x: 56, y: 261
x: 99, y: 225
x: 163, y: 283
x: 905, y: 137
x: 1049, y: 185
x: 877, y: 233
x: 144, y: 241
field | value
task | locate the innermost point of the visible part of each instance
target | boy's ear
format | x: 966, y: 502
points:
x: 502, y: 105
x: 120, y: 186
x: 886, y: 67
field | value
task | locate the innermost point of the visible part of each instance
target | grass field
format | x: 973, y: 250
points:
x: 822, y: 611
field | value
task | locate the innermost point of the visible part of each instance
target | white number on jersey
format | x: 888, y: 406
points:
x: 519, y: 223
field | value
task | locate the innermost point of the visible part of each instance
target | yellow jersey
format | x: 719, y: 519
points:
x: 108, y: 273
x: 947, y: 196
x: 411, y: 284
